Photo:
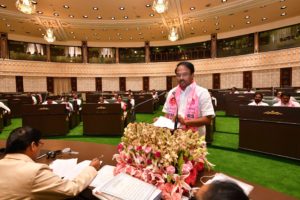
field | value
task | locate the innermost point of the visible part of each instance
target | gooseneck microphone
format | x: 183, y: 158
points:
x: 176, y: 115
x: 53, y: 154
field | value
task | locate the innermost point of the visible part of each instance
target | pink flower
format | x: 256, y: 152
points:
x: 120, y: 147
x: 129, y: 160
x: 157, y: 154
x: 170, y: 169
x: 149, y: 162
x: 187, y: 167
x: 147, y: 149
x: 138, y: 148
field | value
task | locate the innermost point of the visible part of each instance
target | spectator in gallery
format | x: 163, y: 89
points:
x: 102, y: 100
x: 249, y: 91
x: 285, y: 101
x: 234, y: 90
x: 221, y: 190
x: 48, y: 101
x: 213, y: 99
x: 69, y: 106
x: 277, y: 97
x: 258, y: 97
x: 123, y: 104
x: 154, y: 94
x: 26, y: 179
x: 131, y: 100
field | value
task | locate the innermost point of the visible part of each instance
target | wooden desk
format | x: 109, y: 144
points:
x: 233, y: 101
x: 271, y: 130
x: 102, y: 119
x: 147, y: 101
x: 89, y: 150
x: 51, y: 120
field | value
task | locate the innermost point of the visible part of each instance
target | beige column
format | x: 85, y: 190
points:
x: 117, y: 55
x: 213, y: 51
x: 84, y: 51
x: 4, y: 45
x: 256, y: 42
x: 48, y: 52
x: 147, y: 52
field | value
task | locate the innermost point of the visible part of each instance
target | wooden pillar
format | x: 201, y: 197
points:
x: 4, y: 45
x: 213, y: 51
x: 147, y: 52
x: 117, y: 55
x: 256, y: 42
x: 84, y: 52
x: 48, y: 52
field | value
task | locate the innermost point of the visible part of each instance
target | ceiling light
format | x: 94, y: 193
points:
x: 201, y: 20
x: 223, y: 1
x: 40, y: 29
x: 151, y: 15
x: 66, y: 6
x: 8, y: 25
x: 283, y: 7
x: 113, y: 18
x: 264, y: 18
x: 125, y: 17
x: 205, y: 31
x: 25, y: 6
x: 173, y: 35
x: 232, y: 26
x: 74, y: 37
x: 49, y: 37
x: 56, y: 14
x: 247, y: 17
x: 283, y: 14
x: 85, y: 16
x: 148, y: 5
x: 3, y: 6
x: 72, y: 32
x: 217, y: 23
x: 160, y: 6
x: 248, y: 22
x: 122, y: 8
x: 99, y: 17
x: 39, y: 12
x: 71, y: 16
x: 95, y: 8
x: 192, y: 8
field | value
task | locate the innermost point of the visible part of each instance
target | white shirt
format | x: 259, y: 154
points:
x: 290, y: 104
x: 2, y: 105
x: 205, y: 104
x: 258, y: 104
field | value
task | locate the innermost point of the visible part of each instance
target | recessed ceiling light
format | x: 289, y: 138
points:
x: 217, y: 23
x: 192, y: 8
x: 140, y: 33
x: 43, y: 34
x: 205, y: 31
x: 95, y: 8
x: 34, y: 2
x: 99, y: 17
x: 192, y: 28
x: 232, y: 26
x: 148, y: 5
x: 85, y: 16
x: 39, y: 12
x: 3, y: 6
x: 8, y: 25
x: 40, y: 29
x: 125, y: 17
x: 120, y: 38
x: 151, y: 15
x: 122, y: 8
x: 71, y: 16
x: 248, y: 22
x: 72, y: 32
x: 74, y: 37
x: 283, y: 7
x: 130, y: 38
x: 56, y: 14
x: 247, y: 17
x: 283, y: 14
x: 162, y: 32
x: 264, y: 18
x: 223, y: 1
x: 113, y: 18
x: 66, y: 6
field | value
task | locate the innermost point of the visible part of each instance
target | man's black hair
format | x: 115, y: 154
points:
x: 21, y: 138
x: 285, y: 94
x: 188, y: 65
x: 224, y: 190
x: 259, y: 93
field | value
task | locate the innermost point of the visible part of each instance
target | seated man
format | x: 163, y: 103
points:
x: 102, y: 100
x: 49, y: 101
x: 258, y: 100
x: 285, y: 101
x: 249, y: 91
x: 123, y: 104
x: 234, y: 90
x: 23, y: 178
x: 131, y: 100
x: 6, y: 109
x: 221, y: 190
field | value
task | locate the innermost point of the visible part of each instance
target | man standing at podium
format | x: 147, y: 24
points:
x: 188, y: 102
x: 22, y: 178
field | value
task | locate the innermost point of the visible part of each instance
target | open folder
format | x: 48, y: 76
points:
x: 165, y: 123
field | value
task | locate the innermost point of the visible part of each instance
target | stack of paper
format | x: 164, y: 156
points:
x: 165, y: 123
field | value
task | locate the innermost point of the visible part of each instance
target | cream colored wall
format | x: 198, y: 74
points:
x: 229, y: 80
x: 134, y: 83
x: 158, y: 83
x: 110, y: 84
x: 7, y: 84
x: 34, y: 84
x: 204, y: 80
x: 296, y: 77
x: 86, y: 84
x: 266, y: 78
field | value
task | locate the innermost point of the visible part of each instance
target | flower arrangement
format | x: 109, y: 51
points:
x: 169, y: 161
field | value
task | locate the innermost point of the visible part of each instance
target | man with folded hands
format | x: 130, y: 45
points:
x: 23, y: 178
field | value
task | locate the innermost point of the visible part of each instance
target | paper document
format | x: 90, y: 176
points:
x: 104, y: 175
x: 61, y: 167
x: 126, y: 187
x: 222, y: 177
x: 165, y: 123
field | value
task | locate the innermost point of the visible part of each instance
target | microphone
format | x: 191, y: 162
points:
x: 53, y: 154
x: 176, y: 116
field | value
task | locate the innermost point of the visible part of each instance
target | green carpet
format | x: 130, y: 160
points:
x: 280, y: 174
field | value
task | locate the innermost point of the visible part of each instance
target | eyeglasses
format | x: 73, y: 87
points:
x: 183, y: 75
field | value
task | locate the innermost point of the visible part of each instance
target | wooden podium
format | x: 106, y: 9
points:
x: 271, y: 130
x: 102, y: 119
x: 51, y: 120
